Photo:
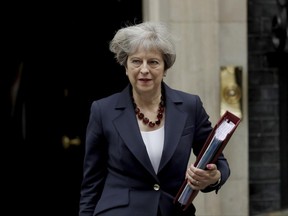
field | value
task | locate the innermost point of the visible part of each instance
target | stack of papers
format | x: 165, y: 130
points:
x: 221, y: 133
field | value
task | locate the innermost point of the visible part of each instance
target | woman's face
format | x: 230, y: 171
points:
x: 145, y: 70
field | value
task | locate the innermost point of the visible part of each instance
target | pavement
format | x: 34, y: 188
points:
x: 277, y: 213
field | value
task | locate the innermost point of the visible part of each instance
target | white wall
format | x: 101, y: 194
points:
x: 211, y: 34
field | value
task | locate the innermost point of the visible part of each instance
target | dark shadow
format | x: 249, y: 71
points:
x: 61, y: 57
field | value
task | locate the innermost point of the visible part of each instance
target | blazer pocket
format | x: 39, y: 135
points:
x: 112, y: 199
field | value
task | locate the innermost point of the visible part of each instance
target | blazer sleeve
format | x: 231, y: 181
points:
x: 203, y: 130
x: 94, y: 165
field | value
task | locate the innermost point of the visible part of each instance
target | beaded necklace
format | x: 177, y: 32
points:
x: 146, y: 120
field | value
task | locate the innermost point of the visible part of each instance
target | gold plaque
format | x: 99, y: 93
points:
x: 231, y: 90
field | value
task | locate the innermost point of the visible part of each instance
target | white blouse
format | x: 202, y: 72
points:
x: 154, y: 141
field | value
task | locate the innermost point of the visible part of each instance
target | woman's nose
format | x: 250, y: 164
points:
x: 144, y: 68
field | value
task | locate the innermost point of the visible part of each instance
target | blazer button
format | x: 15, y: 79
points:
x: 156, y: 187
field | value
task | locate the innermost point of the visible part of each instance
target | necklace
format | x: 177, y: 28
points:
x: 144, y: 119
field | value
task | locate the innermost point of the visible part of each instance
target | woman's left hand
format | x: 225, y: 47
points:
x: 199, y: 179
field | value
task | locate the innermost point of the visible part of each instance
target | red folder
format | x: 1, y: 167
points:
x: 228, y: 117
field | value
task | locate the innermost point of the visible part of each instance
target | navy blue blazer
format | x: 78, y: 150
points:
x: 118, y: 177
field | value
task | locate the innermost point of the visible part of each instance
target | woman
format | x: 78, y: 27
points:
x: 139, y: 141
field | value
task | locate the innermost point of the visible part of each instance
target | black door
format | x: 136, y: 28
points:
x: 58, y: 63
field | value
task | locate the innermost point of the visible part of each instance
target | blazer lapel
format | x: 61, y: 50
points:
x: 174, y: 125
x: 127, y: 126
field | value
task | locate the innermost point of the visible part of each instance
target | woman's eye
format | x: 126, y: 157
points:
x: 153, y: 63
x: 136, y: 62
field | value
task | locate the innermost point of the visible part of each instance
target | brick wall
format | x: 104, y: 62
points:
x: 264, y: 160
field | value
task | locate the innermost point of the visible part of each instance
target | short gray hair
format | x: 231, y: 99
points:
x: 147, y: 35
